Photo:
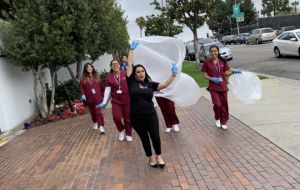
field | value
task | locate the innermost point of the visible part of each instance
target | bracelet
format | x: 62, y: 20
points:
x: 173, y: 75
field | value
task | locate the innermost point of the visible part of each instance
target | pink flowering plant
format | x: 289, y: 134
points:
x: 61, y: 111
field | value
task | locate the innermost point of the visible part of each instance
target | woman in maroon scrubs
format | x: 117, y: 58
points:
x: 215, y: 70
x: 91, y: 90
x: 116, y: 86
x: 167, y: 108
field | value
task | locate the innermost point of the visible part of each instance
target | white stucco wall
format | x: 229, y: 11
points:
x: 100, y: 65
x: 16, y: 89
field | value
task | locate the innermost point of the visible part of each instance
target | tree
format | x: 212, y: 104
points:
x: 40, y: 37
x: 188, y: 13
x: 6, y: 9
x: 220, y: 19
x: 141, y: 22
x: 278, y: 7
x: 108, y: 32
x: 250, y: 12
x: 295, y: 4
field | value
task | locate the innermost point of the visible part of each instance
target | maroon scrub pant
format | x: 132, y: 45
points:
x: 96, y: 114
x: 167, y: 108
x: 119, y: 112
x: 219, y: 100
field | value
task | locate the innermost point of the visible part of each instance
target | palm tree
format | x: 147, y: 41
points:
x: 141, y: 22
x: 295, y: 3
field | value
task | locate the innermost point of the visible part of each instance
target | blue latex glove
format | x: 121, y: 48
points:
x: 215, y: 79
x: 101, y: 105
x: 174, y: 68
x: 134, y: 44
x: 236, y: 71
x: 83, y: 98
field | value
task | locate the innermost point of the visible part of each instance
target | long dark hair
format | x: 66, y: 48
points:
x: 85, y: 74
x: 219, y: 56
x: 147, y: 77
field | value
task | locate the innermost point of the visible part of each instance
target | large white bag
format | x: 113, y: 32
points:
x: 246, y: 87
x: 156, y: 54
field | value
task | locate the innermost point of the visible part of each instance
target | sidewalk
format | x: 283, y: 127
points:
x: 276, y: 116
x: 69, y: 154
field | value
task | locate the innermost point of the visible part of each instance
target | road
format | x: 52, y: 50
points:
x: 261, y: 59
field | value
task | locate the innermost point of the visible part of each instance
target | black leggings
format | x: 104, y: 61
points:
x: 146, y: 124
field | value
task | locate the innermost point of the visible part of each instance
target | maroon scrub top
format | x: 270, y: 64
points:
x: 115, y: 83
x: 216, y: 70
x: 86, y: 87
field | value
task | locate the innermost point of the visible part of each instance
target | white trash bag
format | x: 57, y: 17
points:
x: 156, y: 54
x: 246, y: 87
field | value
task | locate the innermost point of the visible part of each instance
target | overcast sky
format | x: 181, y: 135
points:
x: 137, y: 8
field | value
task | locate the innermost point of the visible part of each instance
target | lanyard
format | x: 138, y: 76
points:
x: 218, y: 67
x: 90, y: 82
x: 117, y: 79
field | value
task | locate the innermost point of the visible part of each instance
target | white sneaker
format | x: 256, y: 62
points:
x: 101, y: 129
x: 95, y: 126
x: 224, y: 127
x: 121, y: 136
x: 128, y: 138
x: 176, y: 128
x: 168, y: 130
x: 218, y: 123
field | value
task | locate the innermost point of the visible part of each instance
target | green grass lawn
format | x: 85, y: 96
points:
x: 191, y: 69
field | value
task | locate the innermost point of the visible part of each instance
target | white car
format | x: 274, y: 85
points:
x: 225, y: 52
x: 287, y: 43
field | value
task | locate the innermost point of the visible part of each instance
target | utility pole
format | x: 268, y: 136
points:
x: 230, y: 24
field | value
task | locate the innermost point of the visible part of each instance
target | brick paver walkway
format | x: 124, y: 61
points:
x: 71, y: 155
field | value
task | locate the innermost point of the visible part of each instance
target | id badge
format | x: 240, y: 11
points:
x: 119, y: 91
x: 93, y: 91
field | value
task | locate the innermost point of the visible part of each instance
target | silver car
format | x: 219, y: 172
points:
x: 260, y: 35
x: 287, y: 43
x: 225, y: 52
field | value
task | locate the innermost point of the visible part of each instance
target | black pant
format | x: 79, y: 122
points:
x: 146, y: 124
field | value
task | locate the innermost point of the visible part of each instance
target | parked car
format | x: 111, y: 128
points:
x: 288, y: 43
x: 229, y: 39
x: 207, y: 40
x: 245, y: 36
x: 190, y: 52
x: 240, y: 39
x: 286, y: 28
x: 260, y: 35
x: 225, y: 51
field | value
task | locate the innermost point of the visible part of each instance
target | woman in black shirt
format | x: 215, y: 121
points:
x: 142, y: 112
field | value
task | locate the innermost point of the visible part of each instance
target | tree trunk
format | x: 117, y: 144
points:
x: 44, y: 94
x: 79, y: 70
x: 39, y: 99
x: 72, y: 74
x: 52, y: 101
x: 196, y: 46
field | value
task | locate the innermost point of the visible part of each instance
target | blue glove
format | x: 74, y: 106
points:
x: 83, y: 98
x: 101, y: 105
x: 216, y: 80
x: 174, y: 68
x: 134, y: 44
x: 236, y: 71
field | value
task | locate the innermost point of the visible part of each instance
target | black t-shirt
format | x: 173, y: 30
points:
x: 141, y: 94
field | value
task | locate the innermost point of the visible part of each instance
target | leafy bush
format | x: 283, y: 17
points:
x: 64, y: 90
